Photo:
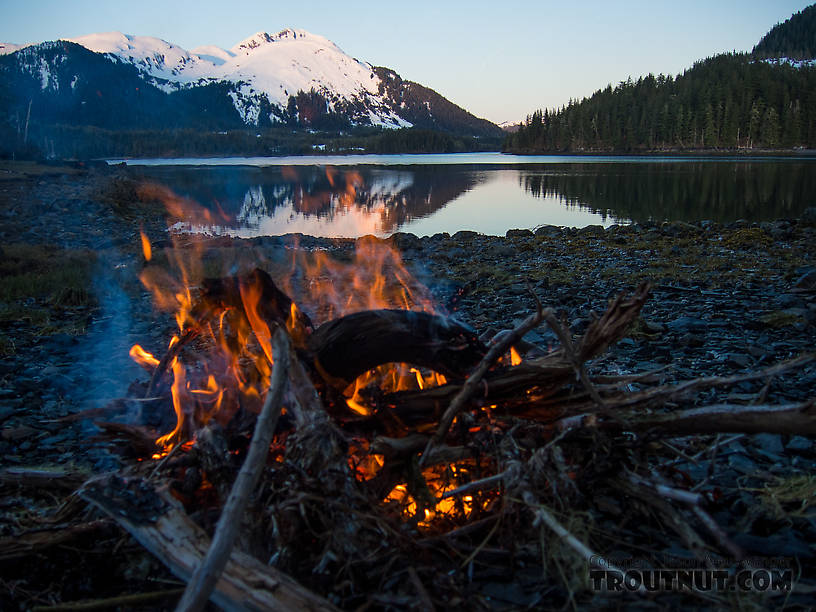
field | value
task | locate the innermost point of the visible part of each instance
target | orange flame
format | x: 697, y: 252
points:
x: 143, y: 358
x: 238, y: 338
x: 147, y: 250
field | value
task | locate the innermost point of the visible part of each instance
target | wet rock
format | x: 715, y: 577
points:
x: 770, y: 443
x: 548, y: 231
x: 807, y: 281
x: 742, y: 463
x: 737, y: 360
x: 519, y: 233
x: 799, y: 444
x: 465, y: 236
x: 405, y: 241
x: 687, y: 324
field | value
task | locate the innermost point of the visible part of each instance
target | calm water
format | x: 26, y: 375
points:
x: 485, y: 192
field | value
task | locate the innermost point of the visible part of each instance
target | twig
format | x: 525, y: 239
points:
x: 424, y: 598
x: 109, y: 603
x: 693, y: 501
x: 207, y: 573
x: 473, y: 381
x: 569, y: 350
x: 542, y: 515
x: 477, y: 485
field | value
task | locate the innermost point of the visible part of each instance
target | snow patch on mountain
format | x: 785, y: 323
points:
x: 809, y: 63
x: 262, y: 69
x: 6, y: 48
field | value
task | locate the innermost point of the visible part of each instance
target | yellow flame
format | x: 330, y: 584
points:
x: 146, y: 248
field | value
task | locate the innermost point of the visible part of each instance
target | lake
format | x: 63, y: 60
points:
x: 350, y: 196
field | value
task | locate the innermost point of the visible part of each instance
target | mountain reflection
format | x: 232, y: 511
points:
x: 316, y: 200
x: 685, y: 190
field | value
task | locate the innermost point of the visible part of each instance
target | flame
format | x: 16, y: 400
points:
x: 143, y: 358
x: 236, y: 337
x: 147, y: 250
x: 515, y: 358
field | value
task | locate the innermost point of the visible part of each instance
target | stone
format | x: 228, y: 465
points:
x: 807, y: 281
x: 770, y: 443
x: 687, y: 324
x: 799, y: 444
x: 519, y: 233
x: 548, y: 231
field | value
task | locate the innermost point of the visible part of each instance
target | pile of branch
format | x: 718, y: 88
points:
x: 297, y: 498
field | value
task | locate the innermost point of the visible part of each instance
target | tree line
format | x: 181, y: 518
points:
x: 730, y: 101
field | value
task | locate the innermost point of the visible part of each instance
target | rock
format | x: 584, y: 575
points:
x: 687, y: 324
x: 799, y: 444
x: 652, y: 327
x: 807, y: 281
x: 519, y: 233
x: 808, y: 216
x: 737, y: 360
x: 742, y: 464
x: 591, y: 230
x: 404, y: 241
x: 548, y: 230
x: 464, y: 235
x: 782, y: 544
x: 770, y: 443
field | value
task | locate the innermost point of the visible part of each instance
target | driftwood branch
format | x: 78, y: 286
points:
x: 169, y: 534
x: 206, y: 574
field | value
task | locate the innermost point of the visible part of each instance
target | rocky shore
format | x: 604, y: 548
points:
x: 725, y: 299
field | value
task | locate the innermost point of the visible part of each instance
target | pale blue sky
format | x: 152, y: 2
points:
x: 500, y: 60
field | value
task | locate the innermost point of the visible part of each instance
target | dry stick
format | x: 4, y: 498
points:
x: 109, y: 603
x: 693, y: 501
x: 569, y: 349
x: 472, y: 382
x: 544, y: 516
x: 207, y: 573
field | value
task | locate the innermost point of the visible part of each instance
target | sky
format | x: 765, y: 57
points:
x: 500, y: 60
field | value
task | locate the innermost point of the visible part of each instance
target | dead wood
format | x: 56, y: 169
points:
x: 347, y: 347
x: 112, y: 603
x: 206, y: 574
x: 794, y: 419
x: 42, y: 478
x: 27, y: 543
x: 473, y: 381
x: 168, y: 534
x: 273, y: 305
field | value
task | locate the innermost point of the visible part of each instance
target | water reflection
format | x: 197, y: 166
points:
x: 352, y: 201
x: 717, y: 190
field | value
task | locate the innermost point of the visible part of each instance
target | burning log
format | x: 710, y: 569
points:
x: 347, y: 347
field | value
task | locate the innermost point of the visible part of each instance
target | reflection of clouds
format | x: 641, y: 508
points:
x: 371, y: 210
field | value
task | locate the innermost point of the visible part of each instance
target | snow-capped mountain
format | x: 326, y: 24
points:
x: 292, y: 77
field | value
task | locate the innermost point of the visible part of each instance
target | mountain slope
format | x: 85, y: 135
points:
x: 794, y: 39
x: 290, y: 78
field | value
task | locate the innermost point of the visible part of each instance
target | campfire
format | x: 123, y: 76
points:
x: 351, y: 435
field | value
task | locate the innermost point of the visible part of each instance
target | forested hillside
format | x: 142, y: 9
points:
x: 794, y: 38
x: 725, y: 102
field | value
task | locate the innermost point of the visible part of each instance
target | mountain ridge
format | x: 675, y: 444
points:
x: 290, y: 78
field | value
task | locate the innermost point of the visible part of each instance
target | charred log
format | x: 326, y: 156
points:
x: 347, y: 347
